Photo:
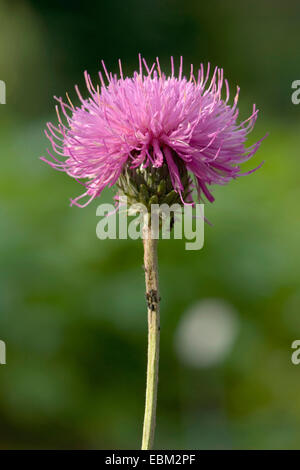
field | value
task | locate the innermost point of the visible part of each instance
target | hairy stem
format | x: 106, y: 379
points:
x: 152, y: 296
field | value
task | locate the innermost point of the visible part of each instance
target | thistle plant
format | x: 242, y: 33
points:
x: 157, y: 139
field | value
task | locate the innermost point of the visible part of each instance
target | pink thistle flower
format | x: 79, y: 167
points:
x: 149, y: 121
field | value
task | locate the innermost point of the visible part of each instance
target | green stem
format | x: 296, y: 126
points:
x: 152, y: 296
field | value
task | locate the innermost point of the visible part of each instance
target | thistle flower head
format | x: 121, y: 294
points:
x: 151, y: 128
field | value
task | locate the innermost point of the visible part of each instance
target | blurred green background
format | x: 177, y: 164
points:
x: 72, y: 307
